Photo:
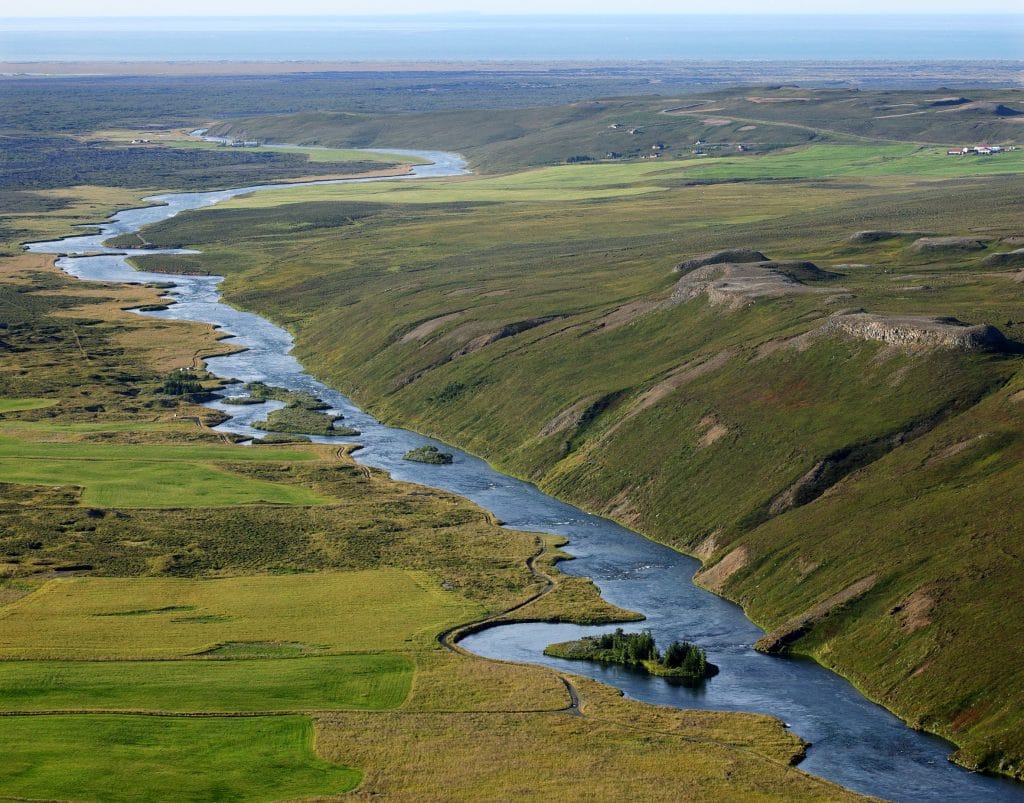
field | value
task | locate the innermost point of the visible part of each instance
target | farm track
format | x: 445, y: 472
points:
x: 449, y: 638
x: 803, y: 127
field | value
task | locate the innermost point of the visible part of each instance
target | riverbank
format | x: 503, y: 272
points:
x: 157, y: 575
x: 522, y: 506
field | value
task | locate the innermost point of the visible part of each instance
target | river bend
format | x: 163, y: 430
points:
x: 855, y: 742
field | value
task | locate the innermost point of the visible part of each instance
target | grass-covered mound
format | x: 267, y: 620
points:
x: 304, y: 422
x: 680, y: 660
x: 428, y: 454
x: 304, y: 414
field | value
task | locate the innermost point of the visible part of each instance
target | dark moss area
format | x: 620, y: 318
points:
x: 41, y: 162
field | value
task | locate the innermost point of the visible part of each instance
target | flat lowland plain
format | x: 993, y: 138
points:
x: 855, y: 488
x: 383, y: 609
x: 148, y: 477
x: 361, y: 682
x: 163, y: 758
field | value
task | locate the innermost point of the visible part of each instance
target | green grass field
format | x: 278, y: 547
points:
x: 363, y: 682
x: 161, y: 758
x: 382, y: 609
x: 18, y: 405
x: 148, y: 476
x: 312, y: 154
x: 584, y: 182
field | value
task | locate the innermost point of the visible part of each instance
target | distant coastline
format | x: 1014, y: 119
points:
x: 635, y: 77
x: 476, y: 38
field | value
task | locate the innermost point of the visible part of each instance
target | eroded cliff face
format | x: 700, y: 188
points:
x: 918, y: 332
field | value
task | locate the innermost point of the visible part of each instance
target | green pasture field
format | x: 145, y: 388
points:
x: 138, y: 618
x: 321, y: 683
x: 149, y: 476
x: 165, y: 759
x: 837, y: 160
x: 312, y: 154
x: 626, y: 179
x: 18, y: 405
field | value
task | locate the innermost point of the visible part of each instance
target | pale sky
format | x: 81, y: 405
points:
x: 155, y: 8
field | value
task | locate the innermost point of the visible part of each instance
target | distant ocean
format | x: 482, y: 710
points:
x: 528, y: 38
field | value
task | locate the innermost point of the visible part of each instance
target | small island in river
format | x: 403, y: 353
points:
x: 428, y: 454
x: 681, y: 660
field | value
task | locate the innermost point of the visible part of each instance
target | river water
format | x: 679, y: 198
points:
x: 856, y: 743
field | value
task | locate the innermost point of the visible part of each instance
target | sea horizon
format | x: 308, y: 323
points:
x: 479, y: 37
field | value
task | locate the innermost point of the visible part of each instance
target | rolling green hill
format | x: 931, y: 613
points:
x: 757, y: 119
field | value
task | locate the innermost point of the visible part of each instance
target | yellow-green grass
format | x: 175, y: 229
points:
x: 47, y: 429
x: 84, y: 204
x: 618, y: 750
x: 148, y: 476
x: 833, y: 160
x: 620, y: 180
x: 317, y: 683
x: 165, y: 758
x: 358, y: 611
x: 17, y: 405
x: 312, y: 154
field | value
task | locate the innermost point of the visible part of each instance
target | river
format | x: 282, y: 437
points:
x: 855, y: 742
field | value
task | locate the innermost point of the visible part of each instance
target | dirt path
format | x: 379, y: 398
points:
x: 449, y: 638
x: 802, y: 126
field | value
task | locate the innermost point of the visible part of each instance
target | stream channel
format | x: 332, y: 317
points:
x: 855, y: 742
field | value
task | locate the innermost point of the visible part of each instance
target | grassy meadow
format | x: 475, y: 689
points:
x: 184, y: 618
x: 382, y: 609
x: 798, y: 462
x: 357, y: 682
x: 147, y: 476
x: 166, y: 758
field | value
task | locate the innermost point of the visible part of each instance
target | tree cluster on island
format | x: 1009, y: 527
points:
x: 681, y: 659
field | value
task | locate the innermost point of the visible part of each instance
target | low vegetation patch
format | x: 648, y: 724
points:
x: 428, y: 454
x: 377, y: 609
x: 302, y: 421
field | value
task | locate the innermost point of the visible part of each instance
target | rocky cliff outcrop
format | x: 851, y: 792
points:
x: 918, y: 332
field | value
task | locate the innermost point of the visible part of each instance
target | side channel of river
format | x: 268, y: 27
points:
x: 856, y: 743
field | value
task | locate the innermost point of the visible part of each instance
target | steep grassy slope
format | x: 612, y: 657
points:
x: 746, y: 413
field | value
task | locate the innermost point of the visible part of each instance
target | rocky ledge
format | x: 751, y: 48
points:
x: 919, y: 332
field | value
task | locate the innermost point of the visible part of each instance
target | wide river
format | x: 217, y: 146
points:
x: 856, y: 743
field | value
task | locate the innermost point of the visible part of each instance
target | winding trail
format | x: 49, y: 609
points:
x: 449, y: 638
